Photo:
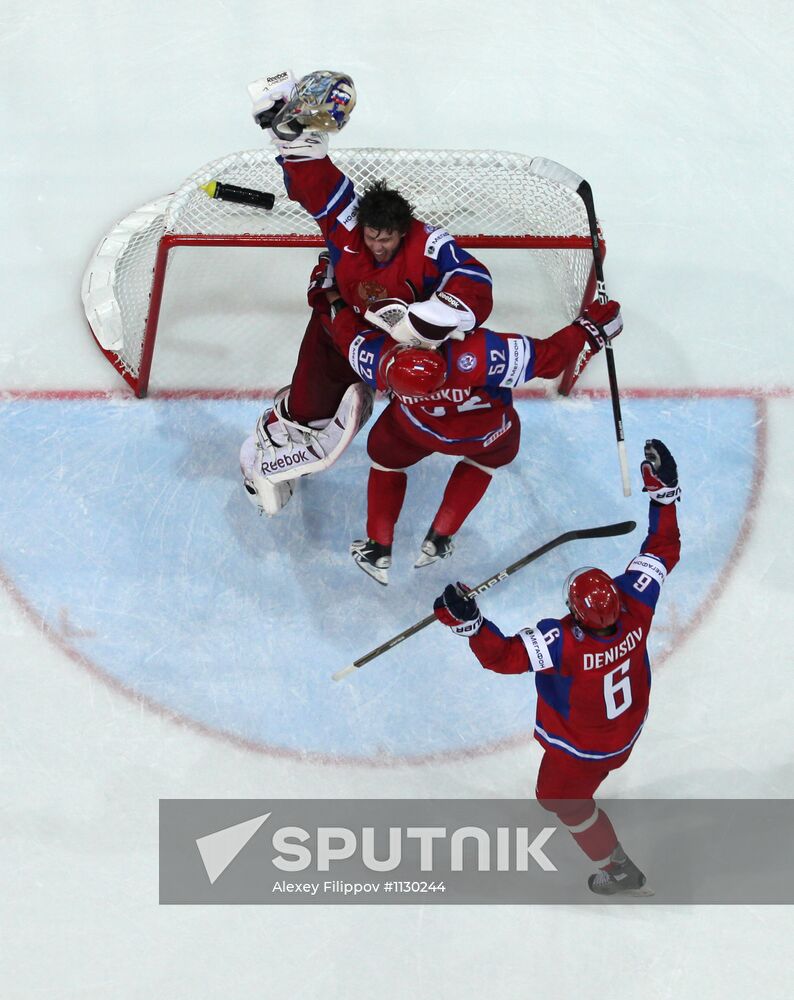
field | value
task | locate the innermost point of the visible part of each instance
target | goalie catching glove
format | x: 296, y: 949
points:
x: 601, y: 322
x: 456, y: 609
x: 423, y: 324
x: 660, y: 473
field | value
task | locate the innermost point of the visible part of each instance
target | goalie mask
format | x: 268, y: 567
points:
x: 322, y: 102
x: 592, y: 597
x: 413, y: 373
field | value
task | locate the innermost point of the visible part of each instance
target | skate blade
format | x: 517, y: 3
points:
x: 425, y: 558
x: 646, y: 890
x: 380, y: 576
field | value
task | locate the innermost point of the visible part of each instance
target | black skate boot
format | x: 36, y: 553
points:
x: 434, y: 547
x: 621, y: 876
x: 373, y: 558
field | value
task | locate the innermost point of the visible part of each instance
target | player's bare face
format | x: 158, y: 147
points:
x: 383, y: 244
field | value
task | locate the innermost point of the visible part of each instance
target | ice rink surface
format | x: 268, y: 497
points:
x: 161, y: 642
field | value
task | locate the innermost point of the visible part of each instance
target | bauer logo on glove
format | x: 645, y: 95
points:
x: 458, y: 610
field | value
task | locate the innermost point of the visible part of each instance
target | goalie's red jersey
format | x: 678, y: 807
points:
x: 427, y: 261
x: 593, y: 691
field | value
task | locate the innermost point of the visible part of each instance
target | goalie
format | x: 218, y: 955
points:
x: 376, y: 250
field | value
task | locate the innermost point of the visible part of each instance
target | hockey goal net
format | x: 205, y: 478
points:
x: 486, y: 199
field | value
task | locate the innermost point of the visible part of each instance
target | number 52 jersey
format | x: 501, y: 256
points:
x: 593, y: 691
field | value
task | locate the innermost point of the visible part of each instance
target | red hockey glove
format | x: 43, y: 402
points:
x: 455, y: 609
x: 321, y: 281
x: 601, y: 322
x: 660, y: 473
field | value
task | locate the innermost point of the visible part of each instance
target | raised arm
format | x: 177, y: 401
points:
x: 661, y: 549
x: 539, y: 648
x: 299, y: 115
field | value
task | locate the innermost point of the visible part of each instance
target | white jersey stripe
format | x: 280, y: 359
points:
x: 479, y: 275
x: 347, y: 185
x: 485, y: 438
x: 558, y: 741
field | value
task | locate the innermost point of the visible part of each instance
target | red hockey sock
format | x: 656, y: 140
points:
x: 385, y: 495
x: 465, y: 489
x: 598, y: 840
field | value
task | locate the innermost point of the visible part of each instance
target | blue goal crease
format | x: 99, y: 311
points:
x: 134, y: 526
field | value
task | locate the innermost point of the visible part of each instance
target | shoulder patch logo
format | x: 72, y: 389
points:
x: 467, y: 362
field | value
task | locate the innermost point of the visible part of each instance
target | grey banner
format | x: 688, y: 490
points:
x: 387, y: 851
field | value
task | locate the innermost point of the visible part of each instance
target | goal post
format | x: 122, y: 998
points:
x: 486, y: 199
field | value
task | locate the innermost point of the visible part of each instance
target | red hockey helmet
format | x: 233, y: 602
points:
x: 592, y: 597
x: 413, y: 371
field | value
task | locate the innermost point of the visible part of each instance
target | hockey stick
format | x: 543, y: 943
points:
x: 607, y: 531
x: 562, y: 175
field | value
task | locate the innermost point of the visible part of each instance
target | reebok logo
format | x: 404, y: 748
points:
x: 219, y: 849
x: 451, y: 301
x: 298, y: 458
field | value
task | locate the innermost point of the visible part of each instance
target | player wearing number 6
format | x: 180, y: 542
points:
x: 593, y: 675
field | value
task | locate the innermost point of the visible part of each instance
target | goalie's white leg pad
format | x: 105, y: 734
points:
x: 268, y: 497
x: 310, y: 449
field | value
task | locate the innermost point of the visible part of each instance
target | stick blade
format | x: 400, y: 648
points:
x: 344, y: 672
x: 554, y: 171
x: 608, y: 530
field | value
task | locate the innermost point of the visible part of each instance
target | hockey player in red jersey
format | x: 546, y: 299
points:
x: 376, y: 250
x: 592, y: 674
x: 452, y: 397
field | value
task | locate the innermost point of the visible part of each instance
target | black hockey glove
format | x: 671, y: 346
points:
x: 457, y: 610
x: 660, y: 473
x: 601, y: 322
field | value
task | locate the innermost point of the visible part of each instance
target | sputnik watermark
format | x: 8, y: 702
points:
x: 491, y: 851
x: 297, y: 850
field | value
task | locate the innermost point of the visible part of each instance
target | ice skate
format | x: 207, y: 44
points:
x: 622, y: 877
x: 434, y: 547
x: 373, y: 558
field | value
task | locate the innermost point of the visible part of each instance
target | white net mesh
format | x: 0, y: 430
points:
x: 470, y: 193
